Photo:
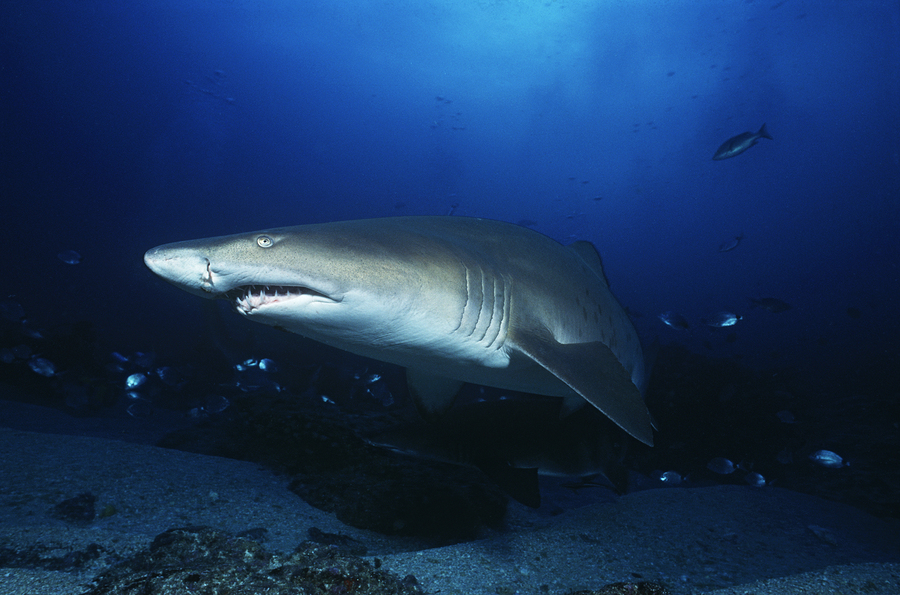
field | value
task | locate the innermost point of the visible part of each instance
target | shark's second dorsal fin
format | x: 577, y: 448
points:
x: 589, y: 255
x: 433, y: 395
x: 593, y: 371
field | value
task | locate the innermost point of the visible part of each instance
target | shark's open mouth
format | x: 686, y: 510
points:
x: 251, y: 297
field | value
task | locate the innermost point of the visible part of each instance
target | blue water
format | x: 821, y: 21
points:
x: 126, y: 126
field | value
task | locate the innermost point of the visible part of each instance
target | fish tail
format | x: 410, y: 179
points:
x: 763, y: 133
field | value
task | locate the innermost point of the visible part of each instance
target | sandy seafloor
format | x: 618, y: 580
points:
x: 726, y: 539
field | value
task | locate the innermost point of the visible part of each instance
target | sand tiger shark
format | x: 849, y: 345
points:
x: 452, y: 299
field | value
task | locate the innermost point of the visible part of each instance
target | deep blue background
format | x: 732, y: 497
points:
x: 128, y: 125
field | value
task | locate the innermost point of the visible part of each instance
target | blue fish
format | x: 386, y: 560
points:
x: 826, y: 458
x: 731, y: 244
x: 738, y: 144
x: 675, y: 320
x: 721, y: 319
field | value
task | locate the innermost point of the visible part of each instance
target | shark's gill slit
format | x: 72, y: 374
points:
x: 462, y: 314
x: 487, y: 304
x: 476, y: 301
x: 498, y: 311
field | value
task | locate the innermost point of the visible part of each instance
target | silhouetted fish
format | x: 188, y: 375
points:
x: 731, y: 244
x: 740, y: 143
x: 721, y: 319
x: 721, y: 465
x: 675, y: 320
x: 826, y: 458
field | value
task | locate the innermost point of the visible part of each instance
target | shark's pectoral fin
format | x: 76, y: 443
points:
x: 594, y: 372
x: 433, y: 395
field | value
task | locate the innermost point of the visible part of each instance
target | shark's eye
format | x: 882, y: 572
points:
x: 264, y: 241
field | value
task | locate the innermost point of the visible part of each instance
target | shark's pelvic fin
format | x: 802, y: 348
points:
x: 433, y: 395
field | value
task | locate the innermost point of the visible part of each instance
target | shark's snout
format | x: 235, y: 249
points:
x: 153, y: 259
x: 183, y: 268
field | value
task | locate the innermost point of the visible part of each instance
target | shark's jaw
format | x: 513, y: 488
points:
x: 245, y: 288
x: 250, y: 299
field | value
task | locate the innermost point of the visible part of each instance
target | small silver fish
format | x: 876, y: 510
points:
x: 674, y: 320
x: 32, y: 333
x: 267, y: 365
x: 670, y: 478
x: 828, y: 459
x: 721, y: 465
x: 42, y: 366
x: 364, y: 377
x: 755, y: 479
x: 721, y: 319
x: 135, y: 380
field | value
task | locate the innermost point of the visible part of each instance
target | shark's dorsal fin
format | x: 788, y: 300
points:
x: 593, y: 371
x: 433, y: 395
x: 587, y: 252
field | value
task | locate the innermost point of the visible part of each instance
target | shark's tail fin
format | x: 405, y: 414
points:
x: 763, y: 133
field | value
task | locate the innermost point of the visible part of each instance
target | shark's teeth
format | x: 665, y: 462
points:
x: 250, y: 297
